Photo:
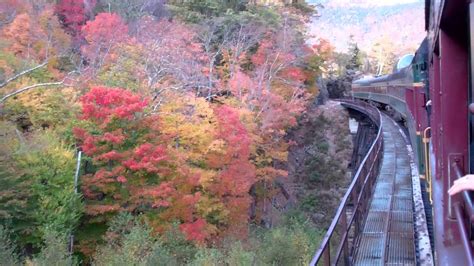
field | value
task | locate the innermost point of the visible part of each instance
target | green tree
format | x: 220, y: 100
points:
x: 238, y: 256
x: 130, y: 242
x: 8, y: 256
x: 37, y: 186
x: 14, y: 189
x: 50, y: 165
x: 131, y: 11
x: 291, y: 243
x: 54, y: 251
x: 355, y: 61
x: 208, y: 256
x: 197, y: 10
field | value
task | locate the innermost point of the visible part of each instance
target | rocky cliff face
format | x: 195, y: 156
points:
x: 318, y: 172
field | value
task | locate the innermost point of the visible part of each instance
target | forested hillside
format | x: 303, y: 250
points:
x: 180, y: 110
x: 370, y: 22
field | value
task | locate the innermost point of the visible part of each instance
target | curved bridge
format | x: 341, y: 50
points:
x: 382, y: 209
x: 388, y: 233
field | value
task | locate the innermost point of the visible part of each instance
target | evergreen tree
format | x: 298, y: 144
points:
x: 356, y: 58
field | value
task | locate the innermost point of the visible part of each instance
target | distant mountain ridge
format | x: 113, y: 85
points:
x: 402, y: 24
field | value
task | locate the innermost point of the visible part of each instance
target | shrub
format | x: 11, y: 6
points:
x: 290, y: 244
x: 55, y: 251
x: 130, y: 242
x: 8, y: 256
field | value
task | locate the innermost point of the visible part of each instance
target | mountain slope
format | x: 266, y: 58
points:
x: 369, y: 22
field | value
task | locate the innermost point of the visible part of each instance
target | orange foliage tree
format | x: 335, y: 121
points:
x: 272, y: 94
x: 36, y: 37
x: 149, y: 164
x: 32, y: 42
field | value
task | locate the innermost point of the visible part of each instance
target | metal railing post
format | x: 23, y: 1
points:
x: 76, y: 181
x: 78, y: 168
x: 464, y: 216
x: 345, y: 250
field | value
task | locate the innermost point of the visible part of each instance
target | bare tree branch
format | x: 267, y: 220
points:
x: 23, y: 73
x: 30, y: 87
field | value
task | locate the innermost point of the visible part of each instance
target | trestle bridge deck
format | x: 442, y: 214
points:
x: 381, y: 219
x: 387, y: 237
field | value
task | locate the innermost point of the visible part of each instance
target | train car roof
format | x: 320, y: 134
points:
x: 399, y: 74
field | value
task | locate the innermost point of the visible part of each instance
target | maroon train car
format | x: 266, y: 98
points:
x: 450, y: 26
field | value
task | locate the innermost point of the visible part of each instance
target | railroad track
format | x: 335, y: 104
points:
x: 387, y: 237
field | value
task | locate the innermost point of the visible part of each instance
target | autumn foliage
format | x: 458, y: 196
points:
x: 142, y: 167
x: 102, y: 35
x: 74, y: 14
x: 36, y: 37
x: 176, y: 157
x: 183, y: 125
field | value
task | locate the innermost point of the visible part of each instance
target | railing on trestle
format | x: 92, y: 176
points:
x: 464, y: 214
x: 355, y: 200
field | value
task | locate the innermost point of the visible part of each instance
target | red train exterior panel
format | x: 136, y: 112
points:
x: 450, y: 120
x: 436, y: 110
